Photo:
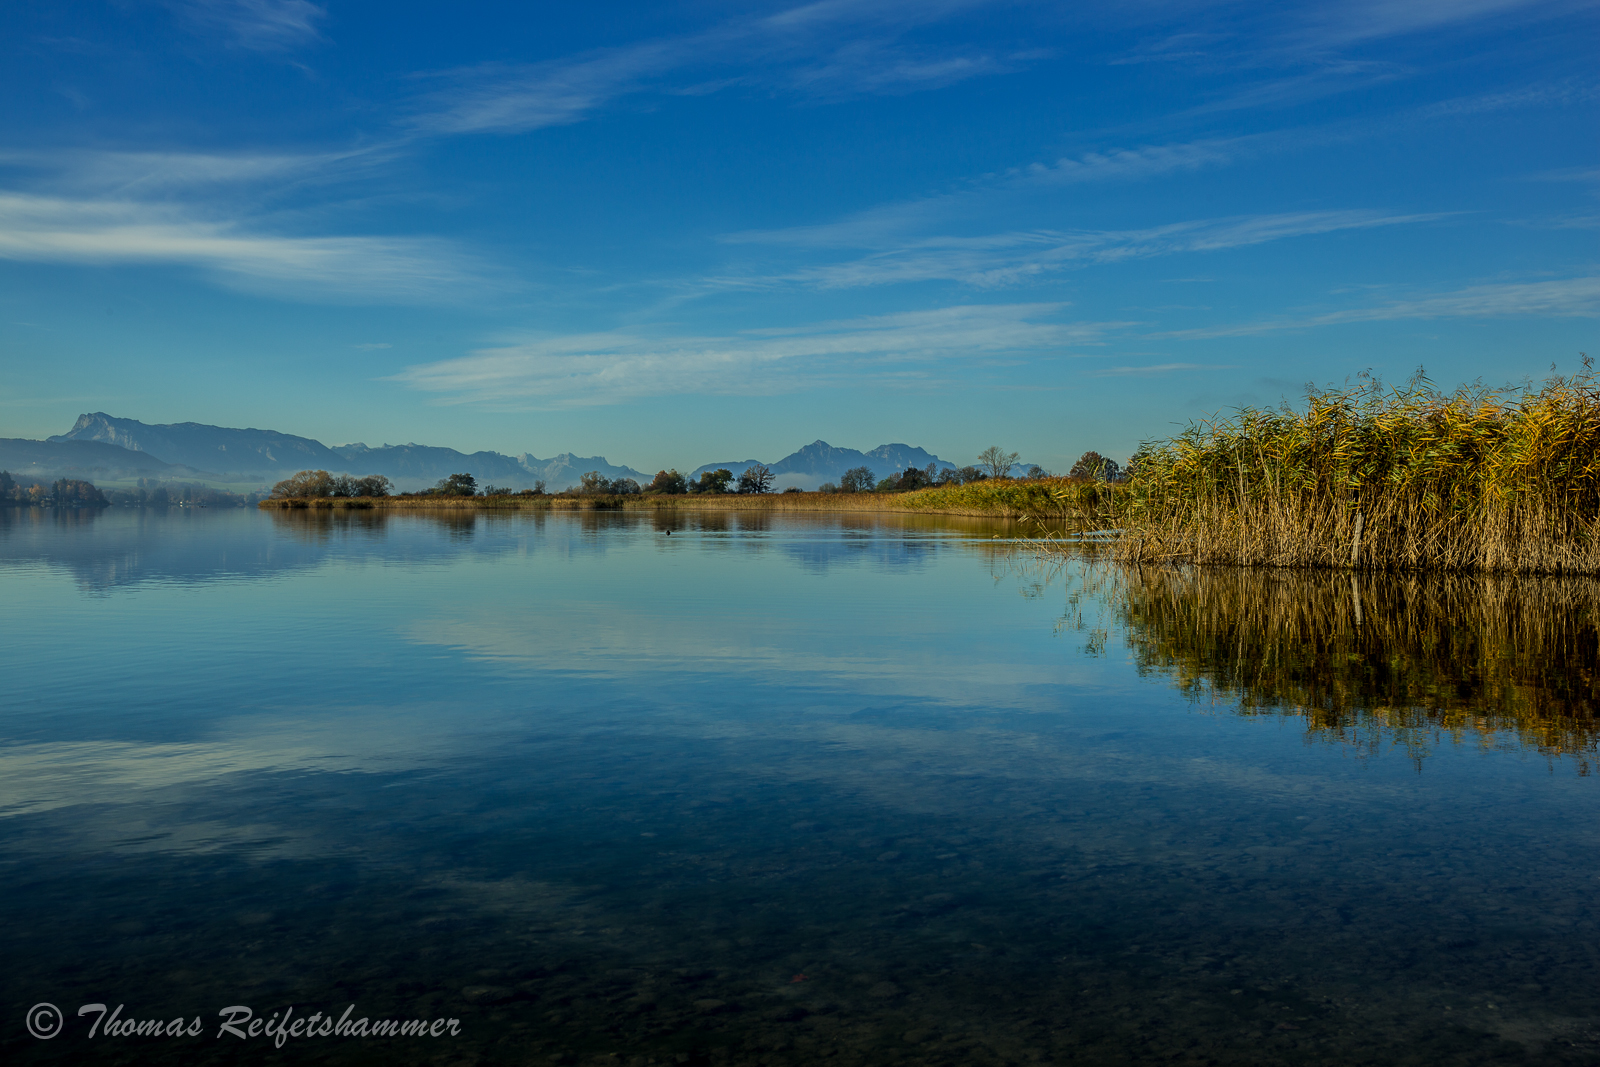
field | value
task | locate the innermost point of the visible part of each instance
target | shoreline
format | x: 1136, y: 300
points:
x: 1004, y: 499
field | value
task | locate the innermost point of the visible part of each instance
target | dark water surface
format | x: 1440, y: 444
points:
x: 781, y: 790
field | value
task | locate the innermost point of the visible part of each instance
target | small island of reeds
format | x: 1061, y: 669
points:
x: 1373, y: 477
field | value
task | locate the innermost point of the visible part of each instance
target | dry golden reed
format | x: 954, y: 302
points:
x: 1376, y: 477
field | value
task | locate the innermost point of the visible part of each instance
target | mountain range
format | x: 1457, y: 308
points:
x: 821, y: 462
x: 110, y: 448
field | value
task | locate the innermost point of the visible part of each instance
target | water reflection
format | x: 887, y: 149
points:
x: 1370, y: 661
x: 809, y: 789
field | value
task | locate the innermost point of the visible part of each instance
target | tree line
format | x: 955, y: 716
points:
x: 319, y: 484
x: 993, y: 462
x: 62, y: 493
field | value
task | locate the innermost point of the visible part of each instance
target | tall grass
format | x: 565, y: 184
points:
x: 1033, y: 497
x: 1376, y: 477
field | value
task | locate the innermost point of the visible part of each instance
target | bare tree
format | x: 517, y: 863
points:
x: 857, y: 480
x: 756, y: 479
x: 997, y: 461
x: 306, y: 484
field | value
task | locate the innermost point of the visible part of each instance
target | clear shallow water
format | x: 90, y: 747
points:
x: 776, y: 790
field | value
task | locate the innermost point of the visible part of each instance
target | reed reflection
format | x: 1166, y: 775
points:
x: 1411, y: 661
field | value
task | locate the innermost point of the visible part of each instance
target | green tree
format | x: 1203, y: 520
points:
x: 912, y: 479
x: 716, y: 481
x: 456, y: 485
x: 669, y: 482
x: 1094, y: 465
x: 997, y: 461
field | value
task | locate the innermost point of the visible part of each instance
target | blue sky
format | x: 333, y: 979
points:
x: 677, y: 233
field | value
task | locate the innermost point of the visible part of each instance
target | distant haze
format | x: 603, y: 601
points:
x: 111, y: 447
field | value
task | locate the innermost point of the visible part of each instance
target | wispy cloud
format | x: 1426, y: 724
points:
x: 109, y: 232
x: 1280, y: 57
x: 1362, y: 20
x: 260, y: 25
x: 1561, y: 93
x: 1008, y: 258
x: 827, y: 49
x: 1159, y: 369
x: 156, y: 173
x: 1585, y: 175
x: 605, y: 368
x: 1569, y: 297
x: 1326, y: 78
x: 1131, y: 164
x: 887, y: 225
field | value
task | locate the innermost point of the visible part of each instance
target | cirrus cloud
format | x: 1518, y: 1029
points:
x: 605, y: 368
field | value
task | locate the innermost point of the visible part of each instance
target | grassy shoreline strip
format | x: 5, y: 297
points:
x: 1003, y: 498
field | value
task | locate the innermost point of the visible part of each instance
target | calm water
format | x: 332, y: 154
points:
x: 787, y: 790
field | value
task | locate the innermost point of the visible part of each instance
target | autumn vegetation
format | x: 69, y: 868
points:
x: 1372, y: 477
x: 63, y: 492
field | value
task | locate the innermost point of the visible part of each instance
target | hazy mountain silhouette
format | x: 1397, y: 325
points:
x: 88, y: 460
x: 565, y: 469
x: 821, y: 462
x: 191, y: 448
x: 101, y: 445
x: 413, y: 463
x: 405, y: 464
x: 207, y: 448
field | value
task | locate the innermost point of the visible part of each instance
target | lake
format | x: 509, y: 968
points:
x: 779, y: 789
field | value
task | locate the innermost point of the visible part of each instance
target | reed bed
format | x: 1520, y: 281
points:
x: 1373, y: 477
x: 1484, y: 659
